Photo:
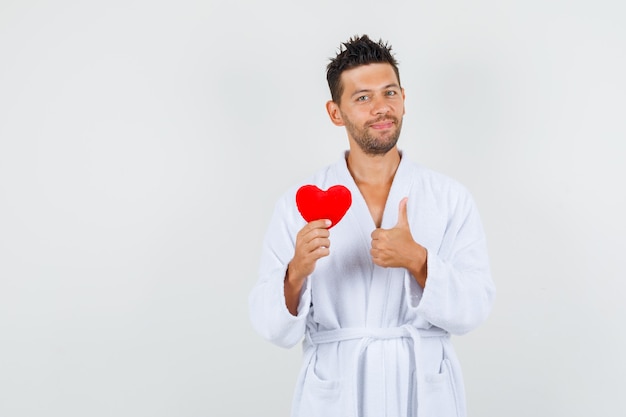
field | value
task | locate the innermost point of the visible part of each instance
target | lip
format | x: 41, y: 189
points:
x: 383, y: 124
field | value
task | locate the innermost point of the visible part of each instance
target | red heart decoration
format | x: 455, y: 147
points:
x: 316, y: 204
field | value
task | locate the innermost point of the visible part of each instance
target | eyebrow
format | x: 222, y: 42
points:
x: 365, y: 90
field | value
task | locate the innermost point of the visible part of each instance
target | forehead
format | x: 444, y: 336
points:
x: 368, y: 77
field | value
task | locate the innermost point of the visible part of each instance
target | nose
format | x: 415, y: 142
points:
x: 379, y: 106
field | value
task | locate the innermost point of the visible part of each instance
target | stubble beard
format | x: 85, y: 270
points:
x: 374, y: 144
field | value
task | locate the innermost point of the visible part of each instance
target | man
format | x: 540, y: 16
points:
x: 377, y: 297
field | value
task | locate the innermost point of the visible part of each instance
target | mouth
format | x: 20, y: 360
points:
x: 382, y: 124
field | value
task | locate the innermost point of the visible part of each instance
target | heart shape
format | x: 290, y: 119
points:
x: 315, y: 204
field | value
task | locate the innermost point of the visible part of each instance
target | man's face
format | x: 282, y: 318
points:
x: 372, y: 107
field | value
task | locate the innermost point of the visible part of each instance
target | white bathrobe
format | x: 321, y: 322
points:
x: 376, y: 344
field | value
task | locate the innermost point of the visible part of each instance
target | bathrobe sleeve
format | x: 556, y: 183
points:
x: 459, y: 291
x: 267, y: 307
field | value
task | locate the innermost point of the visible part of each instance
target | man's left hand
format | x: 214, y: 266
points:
x: 396, y: 248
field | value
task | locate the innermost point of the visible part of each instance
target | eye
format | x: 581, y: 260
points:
x: 362, y: 98
x: 391, y: 93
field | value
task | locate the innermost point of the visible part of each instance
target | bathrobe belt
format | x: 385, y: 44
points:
x: 367, y: 336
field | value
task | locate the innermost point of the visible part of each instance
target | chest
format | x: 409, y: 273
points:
x: 375, y: 198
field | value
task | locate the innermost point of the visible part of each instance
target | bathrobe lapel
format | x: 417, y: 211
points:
x: 386, y: 281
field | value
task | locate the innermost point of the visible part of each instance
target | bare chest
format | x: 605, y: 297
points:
x: 375, y: 198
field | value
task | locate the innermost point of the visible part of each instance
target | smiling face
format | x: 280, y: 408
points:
x: 371, y: 107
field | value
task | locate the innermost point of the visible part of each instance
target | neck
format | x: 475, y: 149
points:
x: 373, y: 169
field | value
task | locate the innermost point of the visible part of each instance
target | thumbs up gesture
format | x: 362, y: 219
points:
x: 396, y: 248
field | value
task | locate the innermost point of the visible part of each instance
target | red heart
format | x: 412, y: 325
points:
x: 316, y: 204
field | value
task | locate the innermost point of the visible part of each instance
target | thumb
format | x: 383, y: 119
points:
x: 403, y: 220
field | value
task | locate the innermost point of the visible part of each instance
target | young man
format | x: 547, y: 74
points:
x: 377, y: 297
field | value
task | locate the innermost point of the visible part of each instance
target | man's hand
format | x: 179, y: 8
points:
x: 312, y: 243
x: 396, y: 248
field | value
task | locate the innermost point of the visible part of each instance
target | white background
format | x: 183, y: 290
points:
x: 143, y: 144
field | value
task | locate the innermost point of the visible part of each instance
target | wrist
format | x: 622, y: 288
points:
x: 419, y: 265
x: 293, y: 277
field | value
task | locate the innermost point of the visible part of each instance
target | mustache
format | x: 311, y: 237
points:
x: 383, y: 119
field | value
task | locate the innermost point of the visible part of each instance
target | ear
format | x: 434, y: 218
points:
x: 334, y: 113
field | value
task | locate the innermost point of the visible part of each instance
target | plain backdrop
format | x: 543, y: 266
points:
x: 143, y: 145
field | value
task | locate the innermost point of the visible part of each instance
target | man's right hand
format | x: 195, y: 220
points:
x: 312, y: 243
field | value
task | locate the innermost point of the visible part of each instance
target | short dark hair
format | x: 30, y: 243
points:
x: 357, y: 51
